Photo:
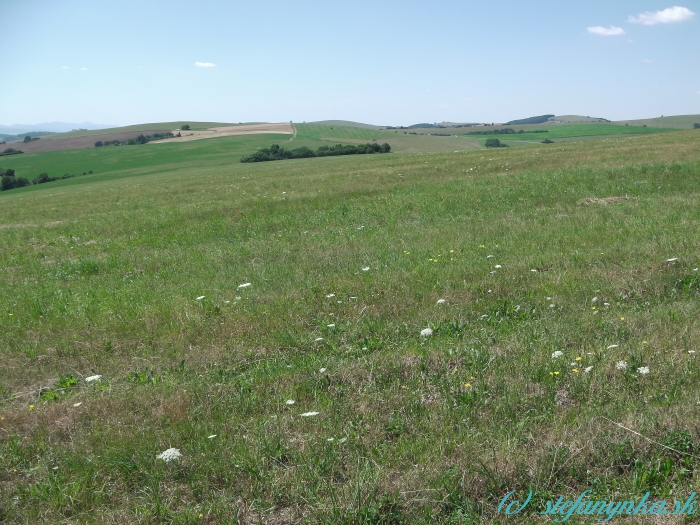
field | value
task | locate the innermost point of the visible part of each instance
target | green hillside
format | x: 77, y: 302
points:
x: 678, y: 122
x: 384, y: 339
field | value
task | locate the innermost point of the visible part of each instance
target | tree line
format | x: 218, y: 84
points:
x: 506, y: 131
x: 11, y: 151
x: 275, y: 152
x: 8, y: 180
x: 141, y: 139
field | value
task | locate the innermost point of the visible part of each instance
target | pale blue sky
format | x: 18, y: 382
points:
x: 384, y: 62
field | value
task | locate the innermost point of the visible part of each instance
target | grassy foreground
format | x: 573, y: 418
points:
x: 138, y: 277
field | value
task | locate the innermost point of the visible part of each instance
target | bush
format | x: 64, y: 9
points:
x: 547, y: 141
x: 11, y: 151
x: 495, y: 143
x: 275, y: 152
x: 99, y: 144
x: 185, y: 127
x: 696, y: 126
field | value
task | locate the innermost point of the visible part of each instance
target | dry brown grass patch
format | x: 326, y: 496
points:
x: 604, y: 201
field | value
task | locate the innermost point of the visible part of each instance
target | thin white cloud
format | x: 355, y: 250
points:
x: 606, y: 31
x: 204, y: 64
x: 667, y: 16
x: 647, y: 61
x: 83, y: 69
x: 65, y: 67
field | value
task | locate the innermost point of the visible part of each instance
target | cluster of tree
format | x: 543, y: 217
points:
x: 696, y: 126
x: 530, y: 120
x: 11, y: 151
x: 547, y: 141
x: 506, y: 131
x: 141, y: 139
x: 8, y: 181
x: 185, y: 127
x: 495, y: 143
x: 274, y: 152
x: 29, y: 138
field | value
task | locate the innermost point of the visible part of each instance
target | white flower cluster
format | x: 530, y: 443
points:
x: 169, y: 455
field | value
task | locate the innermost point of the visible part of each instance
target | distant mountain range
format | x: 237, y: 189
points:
x: 56, y: 127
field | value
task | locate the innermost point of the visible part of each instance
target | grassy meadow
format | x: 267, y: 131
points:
x: 266, y: 319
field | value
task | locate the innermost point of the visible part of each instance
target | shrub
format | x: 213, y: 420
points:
x: 185, y: 127
x: 11, y: 151
x: 696, y: 126
x: 495, y: 143
x: 99, y: 144
x: 547, y: 141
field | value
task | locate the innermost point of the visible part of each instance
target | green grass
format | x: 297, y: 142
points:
x: 677, y: 121
x: 103, y: 278
x: 154, y: 126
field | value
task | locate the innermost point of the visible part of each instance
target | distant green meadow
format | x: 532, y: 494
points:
x: 369, y: 339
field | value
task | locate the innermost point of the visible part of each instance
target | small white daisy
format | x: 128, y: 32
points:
x: 318, y: 339
x: 674, y: 259
x: 557, y: 354
x: 200, y: 298
x: 489, y: 256
x: 588, y: 369
x: 440, y: 301
x: 331, y: 325
x: 533, y: 270
x: 643, y: 370
x: 244, y: 285
x: 551, y: 305
x: 594, y: 300
x: 289, y: 402
x: 691, y: 351
x: 612, y: 346
x: 309, y: 414
x: 321, y: 370
x: 497, y: 266
x: 426, y: 332
x: 169, y: 455
x: 90, y: 379
x: 212, y: 436
x: 365, y: 269
x: 621, y: 365
x: 330, y: 295
x: 77, y: 404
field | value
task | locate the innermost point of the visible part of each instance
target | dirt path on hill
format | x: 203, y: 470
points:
x: 228, y: 131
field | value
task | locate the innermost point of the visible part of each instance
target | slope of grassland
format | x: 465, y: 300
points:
x: 310, y: 395
x: 156, y: 126
x: 677, y: 121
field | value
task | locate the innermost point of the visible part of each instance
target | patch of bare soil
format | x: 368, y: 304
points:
x: 74, y: 142
x: 605, y: 201
x: 227, y: 131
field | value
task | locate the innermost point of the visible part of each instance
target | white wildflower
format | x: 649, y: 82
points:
x: 691, y: 351
x: 643, y: 370
x: 309, y: 414
x: 440, y: 301
x: 332, y: 325
x: 343, y: 440
x: 244, y: 285
x: 594, y: 300
x: 588, y: 369
x: 548, y: 298
x: 169, y: 455
x: 321, y: 370
x: 426, y: 332
x: 489, y: 256
x: 551, y: 305
x: 77, y: 404
x: 290, y: 402
x: 533, y: 270
x: 557, y: 354
x: 318, y: 339
x: 212, y: 436
x: 365, y: 269
x: 90, y: 379
x: 200, y: 298
x: 497, y: 266
x: 330, y: 295
x: 612, y: 346
x: 330, y: 440
x: 621, y: 365
x: 674, y: 259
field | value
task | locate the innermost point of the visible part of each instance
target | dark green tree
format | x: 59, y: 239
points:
x: 99, y: 144
x: 185, y: 127
x: 696, y: 126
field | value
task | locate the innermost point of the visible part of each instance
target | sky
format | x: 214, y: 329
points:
x: 392, y: 62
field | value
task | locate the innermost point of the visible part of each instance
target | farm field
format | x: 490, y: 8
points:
x: 395, y: 338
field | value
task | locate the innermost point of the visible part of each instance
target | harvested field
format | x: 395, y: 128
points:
x: 227, y: 131
x: 74, y: 142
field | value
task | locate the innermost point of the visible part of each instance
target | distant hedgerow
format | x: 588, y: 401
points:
x: 275, y: 152
x: 495, y: 143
